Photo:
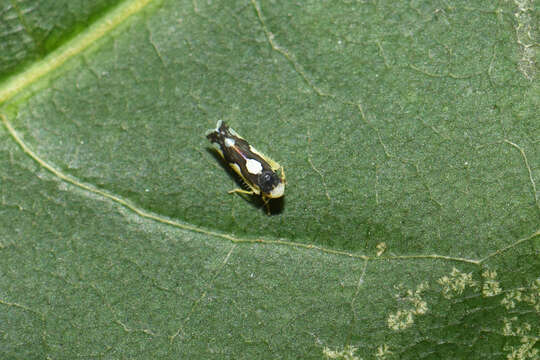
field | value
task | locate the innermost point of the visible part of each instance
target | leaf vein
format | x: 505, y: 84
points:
x: 175, y: 223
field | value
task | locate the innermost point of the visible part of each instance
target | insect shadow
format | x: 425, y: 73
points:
x: 272, y: 206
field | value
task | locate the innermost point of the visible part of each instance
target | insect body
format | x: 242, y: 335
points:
x: 262, y: 175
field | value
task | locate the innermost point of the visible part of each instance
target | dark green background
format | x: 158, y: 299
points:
x: 409, y: 123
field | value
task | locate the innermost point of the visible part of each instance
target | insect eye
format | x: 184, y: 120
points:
x: 267, y: 180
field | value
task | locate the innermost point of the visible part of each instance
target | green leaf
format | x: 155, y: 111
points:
x: 409, y: 135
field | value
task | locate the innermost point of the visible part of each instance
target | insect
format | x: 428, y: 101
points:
x: 262, y: 175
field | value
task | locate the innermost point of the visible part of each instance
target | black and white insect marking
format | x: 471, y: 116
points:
x: 262, y: 175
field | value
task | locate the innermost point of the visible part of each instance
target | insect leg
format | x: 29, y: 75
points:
x: 242, y: 191
x: 266, y: 200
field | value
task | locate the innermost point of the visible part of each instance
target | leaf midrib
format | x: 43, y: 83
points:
x: 234, y: 239
x: 16, y: 83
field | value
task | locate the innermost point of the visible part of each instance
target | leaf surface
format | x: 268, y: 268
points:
x: 408, y: 133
